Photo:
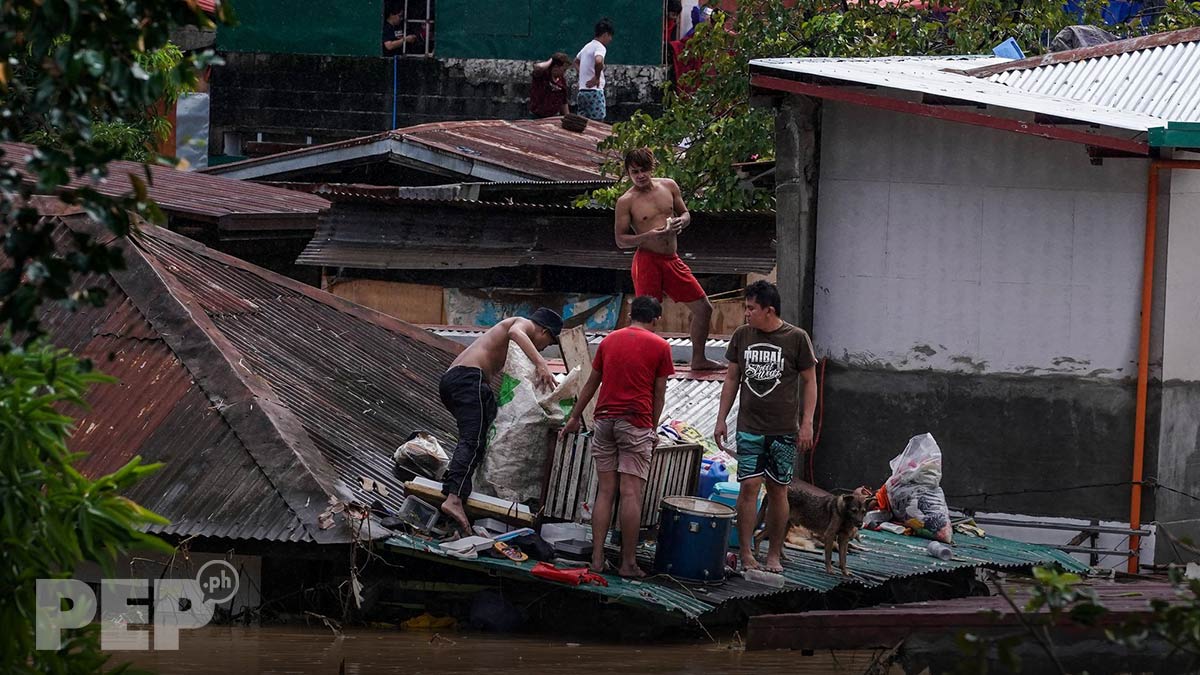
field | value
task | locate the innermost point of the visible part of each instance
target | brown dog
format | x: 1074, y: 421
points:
x: 829, y: 517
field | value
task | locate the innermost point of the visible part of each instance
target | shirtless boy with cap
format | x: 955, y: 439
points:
x: 466, y: 392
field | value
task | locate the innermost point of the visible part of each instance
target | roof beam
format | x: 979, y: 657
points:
x: 835, y: 93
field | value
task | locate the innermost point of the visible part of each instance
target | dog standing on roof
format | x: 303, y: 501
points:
x: 829, y: 517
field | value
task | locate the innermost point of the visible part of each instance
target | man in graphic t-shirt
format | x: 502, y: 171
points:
x: 770, y: 361
x: 590, y: 64
x: 630, y: 369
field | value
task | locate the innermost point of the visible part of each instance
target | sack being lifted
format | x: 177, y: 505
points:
x: 513, y: 465
x: 914, y: 493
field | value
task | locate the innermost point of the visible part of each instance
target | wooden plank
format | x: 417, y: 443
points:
x: 414, y: 303
x: 728, y: 314
x: 573, y: 344
x: 510, y: 512
x: 878, y: 627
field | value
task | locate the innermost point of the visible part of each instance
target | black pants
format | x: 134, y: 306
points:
x: 468, y: 397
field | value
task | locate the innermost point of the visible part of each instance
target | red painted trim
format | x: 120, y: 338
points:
x: 836, y: 93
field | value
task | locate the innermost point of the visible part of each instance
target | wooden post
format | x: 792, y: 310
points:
x: 574, y: 346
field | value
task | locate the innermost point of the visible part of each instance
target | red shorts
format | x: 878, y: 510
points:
x: 655, y: 273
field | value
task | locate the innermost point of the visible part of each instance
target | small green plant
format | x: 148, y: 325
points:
x: 1068, y: 601
x: 52, y: 517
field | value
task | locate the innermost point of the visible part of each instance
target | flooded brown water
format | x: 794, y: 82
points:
x: 232, y: 651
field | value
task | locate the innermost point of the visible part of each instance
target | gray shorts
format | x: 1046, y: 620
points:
x: 620, y: 446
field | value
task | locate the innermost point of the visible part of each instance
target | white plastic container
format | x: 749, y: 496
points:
x: 939, y: 550
x: 764, y: 577
x: 552, y: 532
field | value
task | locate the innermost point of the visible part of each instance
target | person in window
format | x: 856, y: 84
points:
x: 674, y: 10
x: 548, y: 90
x: 397, y: 39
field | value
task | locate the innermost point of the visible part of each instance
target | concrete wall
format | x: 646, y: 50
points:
x: 983, y: 286
x: 290, y: 97
x: 961, y: 248
x: 1178, y: 464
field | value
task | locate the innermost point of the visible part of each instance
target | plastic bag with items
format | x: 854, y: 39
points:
x: 423, y: 455
x: 914, y: 490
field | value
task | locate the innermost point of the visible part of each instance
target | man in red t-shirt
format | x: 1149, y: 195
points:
x: 548, y: 88
x: 630, y: 370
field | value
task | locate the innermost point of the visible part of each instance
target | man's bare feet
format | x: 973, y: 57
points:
x: 632, y: 572
x: 598, y: 567
x: 748, y: 562
x: 707, y: 364
x: 453, y: 507
x: 773, y: 565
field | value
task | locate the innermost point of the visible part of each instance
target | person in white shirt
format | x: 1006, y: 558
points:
x: 589, y: 63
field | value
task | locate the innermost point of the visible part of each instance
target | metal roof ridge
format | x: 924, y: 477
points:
x: 1117, y: 47
x: 360, y: 312
x: 206, y: 354
x: 298, y: 152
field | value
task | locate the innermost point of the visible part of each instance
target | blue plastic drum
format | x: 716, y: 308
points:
x: 692, y: 536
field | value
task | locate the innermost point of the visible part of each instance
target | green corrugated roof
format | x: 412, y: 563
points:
x: 882, y: 557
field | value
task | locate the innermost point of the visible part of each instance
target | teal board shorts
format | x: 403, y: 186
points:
x: 772, y: 456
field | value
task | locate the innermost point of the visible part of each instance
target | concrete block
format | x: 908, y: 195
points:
x: 1027, y: 235
x: 1104, y: 329
x: 934, y: 232
x: 1023, y: 325
x: 852, y: 228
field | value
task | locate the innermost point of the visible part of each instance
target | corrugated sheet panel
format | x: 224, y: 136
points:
x: 697, y: 403
x: 540, y: 150
x: 209, y: 486
x: 883, y: 557
x: 187, y: 192
x: 944, y: 77
x: 358, y: 388
x: 1161, y: 82
x: 379, y: 233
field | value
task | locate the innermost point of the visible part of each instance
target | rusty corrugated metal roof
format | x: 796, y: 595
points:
x: 226, y: 202
x: 488, y: 150
x: 263, y: 396
x: 358, y: 382
x: 209, y: 485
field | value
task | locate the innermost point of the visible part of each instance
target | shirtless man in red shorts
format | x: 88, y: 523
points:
x: 650, y: 216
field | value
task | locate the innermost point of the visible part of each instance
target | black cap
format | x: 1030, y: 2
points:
x: 548, y: 319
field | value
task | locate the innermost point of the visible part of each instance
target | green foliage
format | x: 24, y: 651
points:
x: 133, y: 140
x: 77, y: 74
x: 1068, y: 601
x: 1177, y: 624
x: 82, y: 79
x: 702, y: 133
x: 52, y: 517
